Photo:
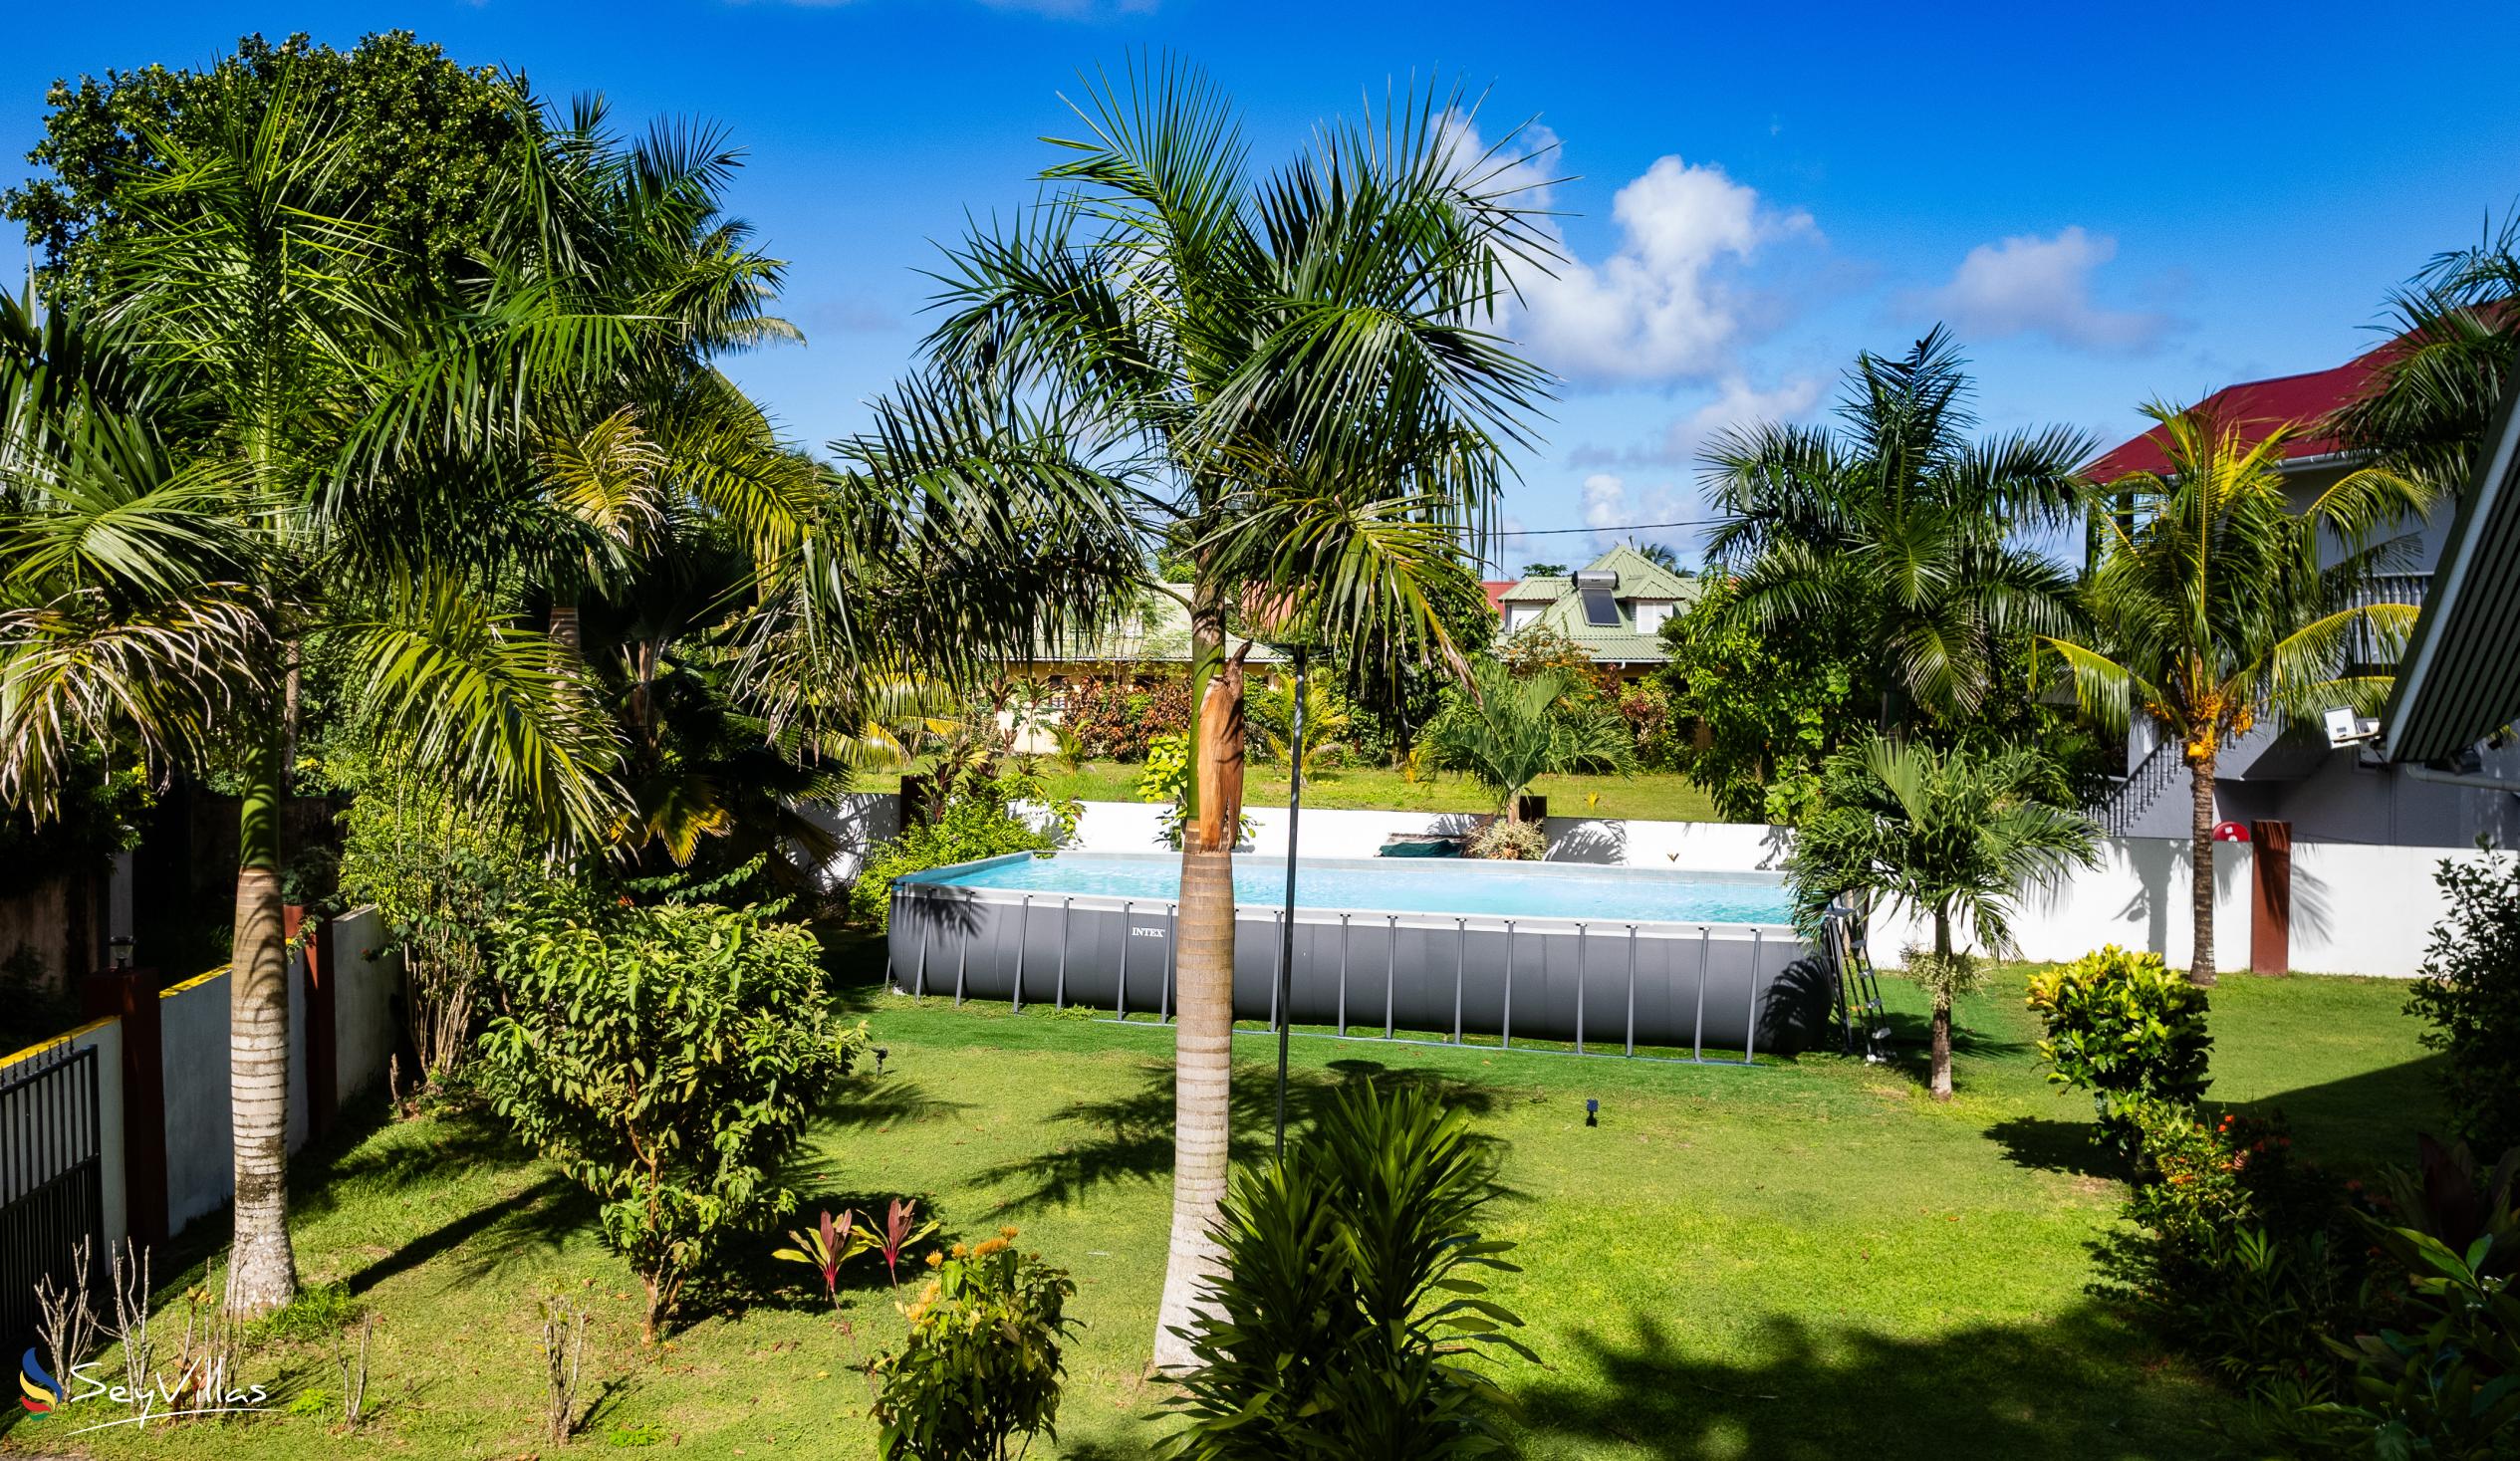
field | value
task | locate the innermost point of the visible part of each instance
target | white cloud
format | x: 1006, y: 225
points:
x: 1663, y: 306
x: 1736, y: 403
x: 1612, y: 507
x: 2028, y: 284
x: 1605, y: 501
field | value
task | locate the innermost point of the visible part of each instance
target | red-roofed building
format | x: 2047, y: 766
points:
x: 2291, y: 774
x: 2257, y: 408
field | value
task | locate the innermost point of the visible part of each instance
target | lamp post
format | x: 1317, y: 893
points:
x: 1285, y: 946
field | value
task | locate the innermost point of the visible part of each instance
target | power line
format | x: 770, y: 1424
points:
x: 1617, y: 528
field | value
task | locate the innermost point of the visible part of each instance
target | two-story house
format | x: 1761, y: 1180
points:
x: 2290, y: 772
x: 1614, y: 606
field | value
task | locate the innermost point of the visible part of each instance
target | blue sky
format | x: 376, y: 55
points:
x: 2108, y: 205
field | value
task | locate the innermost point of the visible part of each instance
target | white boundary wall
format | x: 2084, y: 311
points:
x: 192, y: 1028
x: 2357, y: 908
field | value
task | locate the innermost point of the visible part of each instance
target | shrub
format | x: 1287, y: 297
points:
x: 2121, y: 1025
x: 2448, y: 1383
x: 1510, y: 842
x: 2248, y: 1255
x: 1350, y: 1305
x: 667, y: 1058
x: 1117, y: 719
x: 440, y: 872
x: 969, y: 828
x: 1166, y: 778
x: 980, y: 1365
x: 1646, y: 707
x: 2470, y: 991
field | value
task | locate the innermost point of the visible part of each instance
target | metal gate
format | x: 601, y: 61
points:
x: 52, y: 1180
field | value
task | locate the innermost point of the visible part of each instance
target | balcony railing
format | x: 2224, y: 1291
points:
x: 2363, y: 650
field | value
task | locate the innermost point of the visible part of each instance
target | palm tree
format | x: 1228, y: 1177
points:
x: 2214, y: 601
x: 185, y: 476
x: 1509, y: 733
x: 1326, y: 718
x: 1951, y: 836
x: 2430, y: 399
x: 1898, y: 529
x: 1290, y: 381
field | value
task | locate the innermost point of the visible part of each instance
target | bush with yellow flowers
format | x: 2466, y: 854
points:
x: 980, y: 1366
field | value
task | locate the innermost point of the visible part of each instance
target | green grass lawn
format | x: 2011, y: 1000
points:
x: 1807, y: 1260
x: 1648, y: 795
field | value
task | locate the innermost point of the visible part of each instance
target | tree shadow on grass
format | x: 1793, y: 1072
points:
x: 2363, y: 1121
x: 865, y: 1102
x: 1913, y: 1033
x: 1132, y: 1133
x: 2079, y: 1385
x: 355, y: 1162
x: 534, y: 1220
x: 2042, y: 1144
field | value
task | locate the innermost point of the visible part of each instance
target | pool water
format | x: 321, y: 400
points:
x: 1411, y: 885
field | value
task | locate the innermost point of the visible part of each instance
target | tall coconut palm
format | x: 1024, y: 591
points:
x: 1288, y: 379
x: 1512, y: 732
x: 1953, y: 836
x: 2216, y: 602
x: 1900, y: 529
x: 185, y: 479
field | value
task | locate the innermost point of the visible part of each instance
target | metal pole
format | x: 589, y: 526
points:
x: 1509, y: 984
x: 1391, y: 973
x: 1171, y: 940
x: 1697, y: 1033
x: 1460, y: 969
x: 1343, y: 973
x: 1277, y: 976
x: 1127, y: 935
x: 1282, y: 997
x: 1632, y: 988
x: 1580, y: 941
x: 1023, y: 937
x: 1058, y: 992
x: 1750, y: 1031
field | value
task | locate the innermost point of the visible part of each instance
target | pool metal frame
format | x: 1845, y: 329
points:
x: 1824, y: 953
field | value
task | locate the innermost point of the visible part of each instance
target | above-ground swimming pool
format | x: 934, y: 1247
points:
x: 1439, y: 948
x: 1411, y: 885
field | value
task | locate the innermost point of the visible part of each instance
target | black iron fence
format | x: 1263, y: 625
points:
x: 52, y: 1179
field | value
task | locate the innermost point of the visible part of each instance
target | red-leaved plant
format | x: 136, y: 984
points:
x: 898, y: 1234
x: 823, y: 1249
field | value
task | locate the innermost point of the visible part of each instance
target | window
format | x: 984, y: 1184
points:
x: 1650, y: 616
x: 1601, y: 609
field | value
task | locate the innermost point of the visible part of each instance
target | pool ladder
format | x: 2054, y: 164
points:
x: 1859, y: 991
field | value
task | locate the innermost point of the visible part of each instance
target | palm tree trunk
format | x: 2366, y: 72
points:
x: 1941, y: 1079
x: 2201, y: 779
x: 1204, y: 957
x: 568, y: 635
x: 262, y: 1272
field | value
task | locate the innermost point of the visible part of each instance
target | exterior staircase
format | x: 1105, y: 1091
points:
x: 2124, y: 807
